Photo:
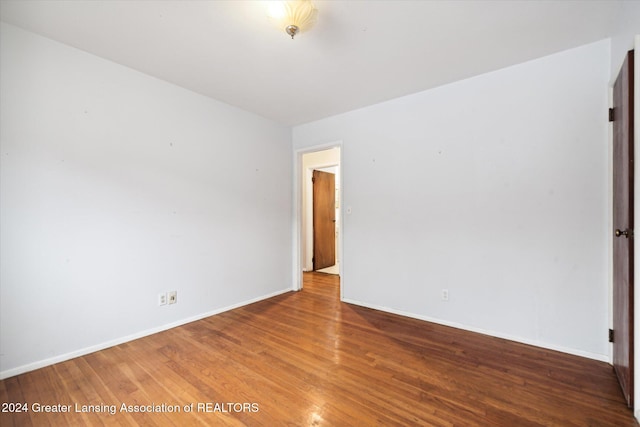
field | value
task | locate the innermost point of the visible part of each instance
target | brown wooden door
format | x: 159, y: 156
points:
x: 623, y: 228
x: 324, y: 221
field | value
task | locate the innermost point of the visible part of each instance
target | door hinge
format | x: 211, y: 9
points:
x: 611, y: 335
x: 612, y: 115
x: 313, y: 179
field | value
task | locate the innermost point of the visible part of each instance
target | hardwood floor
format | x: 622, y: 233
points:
x: 305, y: 358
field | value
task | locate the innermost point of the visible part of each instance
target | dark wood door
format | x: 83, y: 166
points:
x: 324, y: 221
x: 623, y: 282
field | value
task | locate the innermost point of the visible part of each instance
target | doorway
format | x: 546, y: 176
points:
x: 325, y: 161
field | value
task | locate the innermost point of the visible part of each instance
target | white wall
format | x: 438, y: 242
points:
x: 310, y: 161
x: 626, y: 27
x: 494, y: 188
x: 114, y: 187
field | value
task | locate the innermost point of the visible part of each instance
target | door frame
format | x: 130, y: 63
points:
x: 298, y: 173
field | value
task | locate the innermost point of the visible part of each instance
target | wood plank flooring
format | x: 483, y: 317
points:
x: 306, y: 359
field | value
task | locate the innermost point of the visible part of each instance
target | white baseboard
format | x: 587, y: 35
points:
x: 575, y: 352
x: 92, y: 349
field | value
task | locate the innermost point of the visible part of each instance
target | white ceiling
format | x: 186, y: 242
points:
x: 359, y: 52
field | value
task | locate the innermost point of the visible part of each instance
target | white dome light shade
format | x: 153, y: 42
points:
x: 294, y: 16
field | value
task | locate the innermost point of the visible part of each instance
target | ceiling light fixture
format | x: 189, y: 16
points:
x: 294, y: 16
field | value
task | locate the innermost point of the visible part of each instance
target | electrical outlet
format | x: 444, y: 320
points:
x: 445, y: 295
x: 173, y: 297
x: 162, y: 299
